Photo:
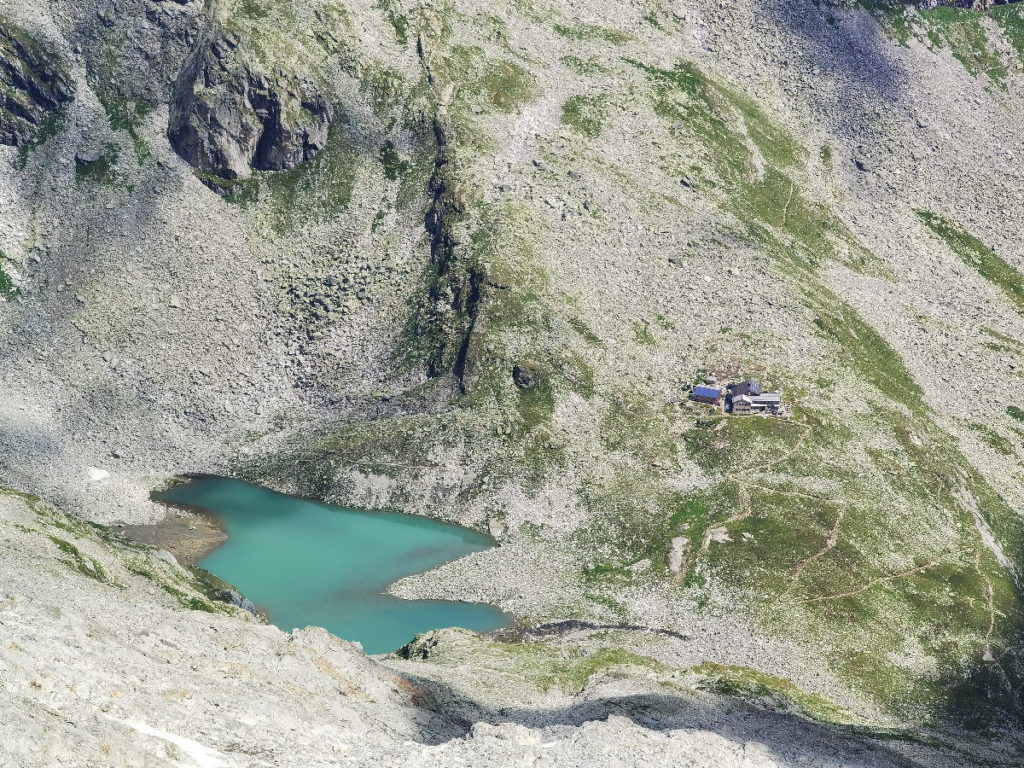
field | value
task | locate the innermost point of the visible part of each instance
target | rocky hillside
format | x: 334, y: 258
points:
x: 462, y: 259
x: 146, y: 669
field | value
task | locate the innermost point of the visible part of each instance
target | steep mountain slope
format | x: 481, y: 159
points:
x: 144, y: 669
x: 462, y: 259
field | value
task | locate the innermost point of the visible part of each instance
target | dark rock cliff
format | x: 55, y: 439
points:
x: 228, y: 120
x: 33, y: 84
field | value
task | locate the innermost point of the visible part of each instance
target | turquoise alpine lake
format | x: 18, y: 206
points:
x: 312, y: 564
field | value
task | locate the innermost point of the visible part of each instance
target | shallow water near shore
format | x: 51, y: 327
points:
x: 312, y: 564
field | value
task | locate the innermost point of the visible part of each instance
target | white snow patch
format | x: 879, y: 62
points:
x: 971, y: 503
x: 202, y: 756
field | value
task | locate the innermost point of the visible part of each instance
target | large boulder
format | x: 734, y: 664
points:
x: 228, y: 120
x: 527, y: 374
x: 33, y: 84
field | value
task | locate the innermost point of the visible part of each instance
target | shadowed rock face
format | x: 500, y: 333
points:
x: 228, y: 120
x: 32, y: 85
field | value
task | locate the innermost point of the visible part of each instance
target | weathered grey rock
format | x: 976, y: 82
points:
x: 33, y: 84
x: 527, y: 374
x: 229, y: 120
x: 235, y: 598
x: 87, y: 155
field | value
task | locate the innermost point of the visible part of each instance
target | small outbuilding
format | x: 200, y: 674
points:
x: 706, y: 393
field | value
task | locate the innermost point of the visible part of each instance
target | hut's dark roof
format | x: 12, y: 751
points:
x: 713, y: 392
x: 745, y: 388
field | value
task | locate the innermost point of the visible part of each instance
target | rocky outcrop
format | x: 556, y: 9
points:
x: 229, y: 120
x: 456, y: 293
x: 33, y: 84
x: 527, y: 374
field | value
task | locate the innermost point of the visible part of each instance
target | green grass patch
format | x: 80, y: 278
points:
x: 101, y: 170
x: 812, y: 508
x: 1002, y: 343
x: 634, y: 425
x: 395, y: 168
x: 492, y: 84
x: 721, y: 124
x: 8, y: 290
x: 711, y: 110
x: 779, y: 693
x: 314, y: 191
x: 51, y: 126
x: 240, y: 192
x: 867, y: 353
x: 384, y: 87
x: 774, y: 143
x: 978, y: 256
x: 90, y: 566
x: 961, y: 31
x: 174, y: 587
x: 584, y: 331
x: 399, y: 21
x: 1015, y: 413
x: 894, y: 19
x: 127, y: 116
x: 686, y: 99
x: 253, y: 9
x: 642, y: 332
x: 993, y: 439
x: 588, y: 66
x: 506, y: 85
x: 536, y: 405
x: 586, y: 115
x: 1010, y: 19
x: 592, y: 32
x: 570, y: 669
x: 616, y: 608
x: 635, y: 517
x: 652, y: 19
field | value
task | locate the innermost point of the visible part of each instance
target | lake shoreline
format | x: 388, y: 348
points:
x: 307, y: 563
x: 192, y: 533
x: 189, y: 532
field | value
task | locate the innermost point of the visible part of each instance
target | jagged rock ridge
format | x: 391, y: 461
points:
x: 33, y: 84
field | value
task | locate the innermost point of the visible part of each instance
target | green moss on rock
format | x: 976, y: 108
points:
x: 90, y: 566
